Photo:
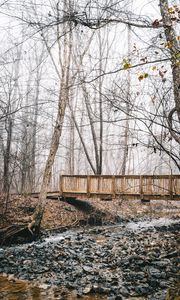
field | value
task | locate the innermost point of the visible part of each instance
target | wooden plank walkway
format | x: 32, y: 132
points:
x: 147, y: 187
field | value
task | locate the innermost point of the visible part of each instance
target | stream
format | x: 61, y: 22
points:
x: 133, y: 260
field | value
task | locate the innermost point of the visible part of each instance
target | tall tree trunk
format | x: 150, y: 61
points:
x: 32, y: 172
x: 83, y: 143
x: 62, y: 103
x: 174, y: 49
x: 71, y: 148
x: 99, y: 171
x: 6, y: 174
x: 126, y: 131
x: 25, y: 146
x: 93, y: 132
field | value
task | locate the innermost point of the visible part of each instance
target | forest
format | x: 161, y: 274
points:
x: 90, y: 88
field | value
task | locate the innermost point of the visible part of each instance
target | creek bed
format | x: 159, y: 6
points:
x: 134, y: 260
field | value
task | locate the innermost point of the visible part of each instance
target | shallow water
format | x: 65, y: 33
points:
x: 139, y: 225
x: 11, y: 289
x: 23, y: 290
x: 151, y: 223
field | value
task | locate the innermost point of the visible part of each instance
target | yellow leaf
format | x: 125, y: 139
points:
x: 178, y: 37
x: 170, y: 9
x: 127, y: 66
x: 154, y: 68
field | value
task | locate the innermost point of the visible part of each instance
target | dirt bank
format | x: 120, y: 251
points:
x: 60, y: 214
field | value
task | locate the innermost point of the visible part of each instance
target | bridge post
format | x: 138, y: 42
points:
x: 88, y: 185
x: 141, y: 187
x: 61, y: 185
x: 171, y: 187
x: 113, y: 187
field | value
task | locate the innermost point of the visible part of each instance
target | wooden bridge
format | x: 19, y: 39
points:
x: 144, y: 187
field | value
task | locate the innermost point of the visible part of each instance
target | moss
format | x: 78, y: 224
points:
x: 173, y: 293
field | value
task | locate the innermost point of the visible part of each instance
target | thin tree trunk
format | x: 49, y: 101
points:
x: 83, y: 143
x: 126, y: 132
x: 6, y: 175
x: 93, y: 132
x: 62, y: 103
x: 174, y: 49
x: 32, y: 173
x: 99, y: 171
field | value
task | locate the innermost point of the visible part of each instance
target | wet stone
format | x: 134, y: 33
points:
x: 126, y: 263
x: 87, y: 269
x: 87, y: 289
x: 162, y: 263
x: 163, y: 284
x: 2, y: 254
x: 123, y: 290
x: 154, y: 272
x: 142, y: 289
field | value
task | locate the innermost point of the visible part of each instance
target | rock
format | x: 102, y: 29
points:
x: 95, y: 287
x: 154, y: 283
x: 111, y: 297
x: 140, y: 275
x: 11, y: 277
x: 87, y: 269
x: 162, y: 263
x: 142, y: 289
x: 103, y: 290
x: 79, y: 293
x: 163, y: 284
x: 153, y: 272
x: 44, y: 286
x: 173, y: 254
x: 124, y: 291
x: 27, y: 262
x: 87, y: 289
x: 39, y: 246
x: 2, y: 253
x: 24, y: 277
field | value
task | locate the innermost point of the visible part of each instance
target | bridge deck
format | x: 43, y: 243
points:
x: 130, y: 186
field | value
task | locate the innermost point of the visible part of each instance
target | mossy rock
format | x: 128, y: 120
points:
x: 173, y: 293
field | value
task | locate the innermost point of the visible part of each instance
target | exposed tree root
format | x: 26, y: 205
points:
x: 15, y: 233
x: 26, y: 230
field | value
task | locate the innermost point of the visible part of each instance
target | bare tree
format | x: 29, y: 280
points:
x: 10, y: 92
x: 62, y: 103
x: 173, y: 45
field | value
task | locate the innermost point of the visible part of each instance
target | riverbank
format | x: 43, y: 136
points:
x: 130, y: 260
x: 60, y: 215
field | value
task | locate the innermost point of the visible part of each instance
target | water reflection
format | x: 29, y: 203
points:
x: 21, y: 290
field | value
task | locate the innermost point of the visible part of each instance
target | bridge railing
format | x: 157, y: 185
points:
x: 144, y: 186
